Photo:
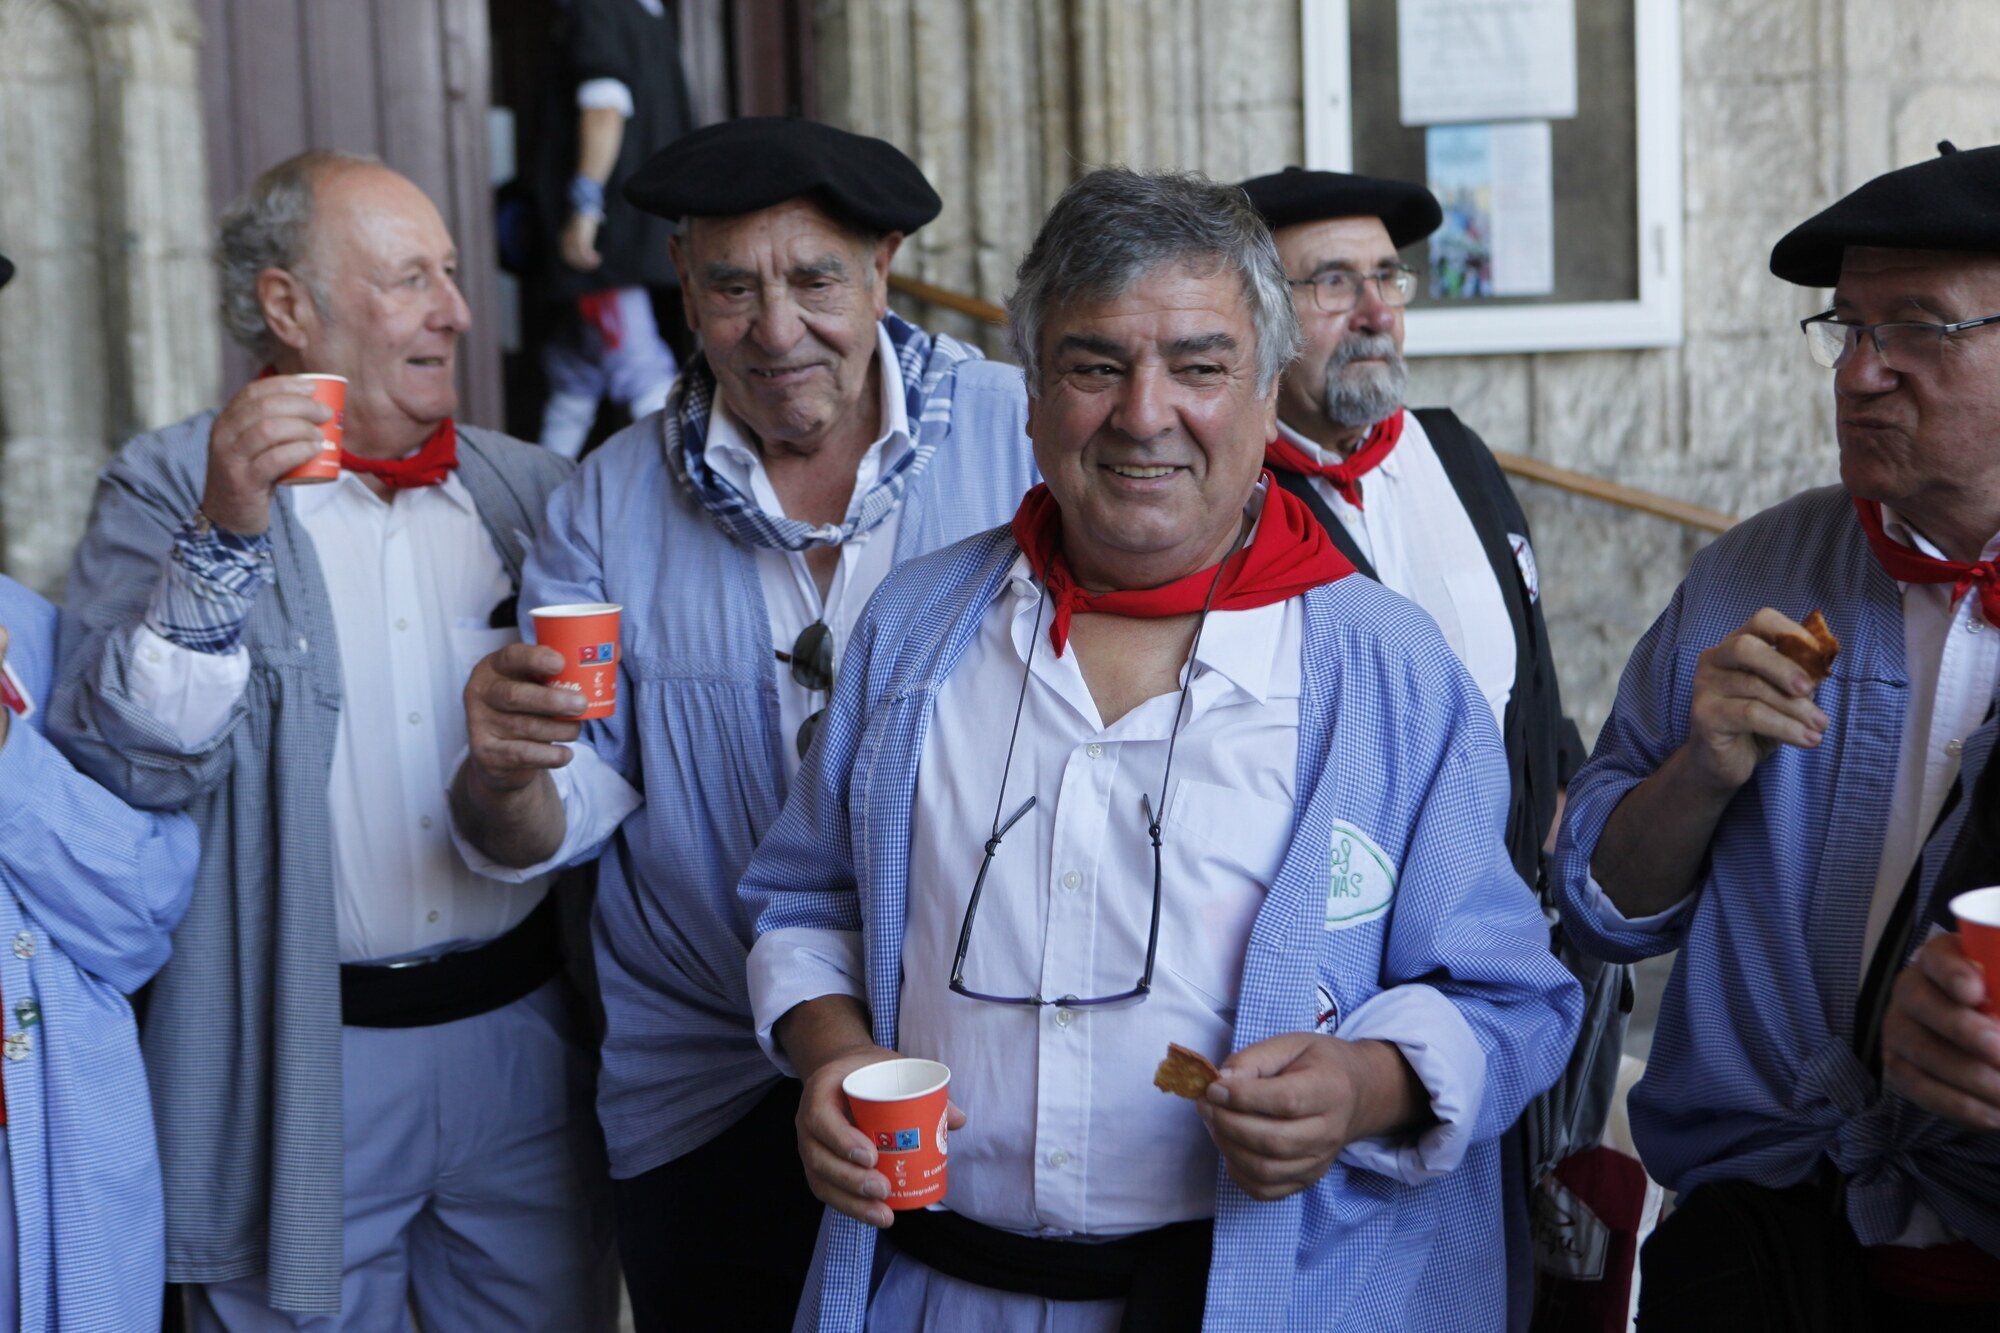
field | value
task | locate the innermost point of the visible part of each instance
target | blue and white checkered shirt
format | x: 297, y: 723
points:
x: 208, y: 587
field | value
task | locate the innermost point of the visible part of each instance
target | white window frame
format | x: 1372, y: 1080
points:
x: 1654, y: 320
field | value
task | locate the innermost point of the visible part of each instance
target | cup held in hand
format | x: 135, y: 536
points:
x: 901, y: 1106
x: 586, y: 634
x: 1978, y: 913
x: 325, y: 465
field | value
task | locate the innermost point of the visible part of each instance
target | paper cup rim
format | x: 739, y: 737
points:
x: 941, y: 1081
x: 315, y: 375
x: 570, y: 610
x: 1981, y: 907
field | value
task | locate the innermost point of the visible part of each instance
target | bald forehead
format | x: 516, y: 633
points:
x: 1360, y: 242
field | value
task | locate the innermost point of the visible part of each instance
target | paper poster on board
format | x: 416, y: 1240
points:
x: 1485, y: 60
x: 1497, y: 190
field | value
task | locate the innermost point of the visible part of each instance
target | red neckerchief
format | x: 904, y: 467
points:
x: 1289, y: 554
x: 428, y: 466
x: 1909, y: 566
x: 1345, y: 475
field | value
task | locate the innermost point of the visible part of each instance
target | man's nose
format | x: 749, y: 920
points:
x: 777, y: 326
x: 454, y: 314
x: 1861, y: 372
x: 1144, y: 408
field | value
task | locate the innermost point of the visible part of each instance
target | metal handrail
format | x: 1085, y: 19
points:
x: 1533, y: 469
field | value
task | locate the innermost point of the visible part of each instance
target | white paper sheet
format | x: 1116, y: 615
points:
x: 1477, y: 60
x: 1498, y: 193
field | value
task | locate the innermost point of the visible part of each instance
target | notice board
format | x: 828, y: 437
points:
x: 1549, y: 129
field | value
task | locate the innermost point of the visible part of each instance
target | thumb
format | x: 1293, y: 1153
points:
x: 954, y: 1116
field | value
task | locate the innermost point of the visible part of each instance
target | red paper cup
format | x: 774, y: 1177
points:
x: 586, y: 634
x: 900, y: 1105
x: 1978, y: 913
x: 325, y: 467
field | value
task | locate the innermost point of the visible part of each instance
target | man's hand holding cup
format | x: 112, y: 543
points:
x: 269, y: 429
x: 515, y: 721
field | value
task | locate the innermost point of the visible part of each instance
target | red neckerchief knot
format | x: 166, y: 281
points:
x: 1289, y: 553
x: 428, y: 466
x: 1345, y: 475
x: 1906, y: 565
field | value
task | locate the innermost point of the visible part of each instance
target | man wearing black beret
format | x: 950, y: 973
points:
x: 1415, y: 499
x: 1788, y: 822
x: 815, y: 442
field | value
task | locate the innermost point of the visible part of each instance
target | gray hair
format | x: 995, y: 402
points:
x: 270, y: 226
x: 1114, y: 226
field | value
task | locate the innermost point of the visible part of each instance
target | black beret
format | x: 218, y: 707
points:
x: 1948, y: 202
x: 740, y: 166
x: 6, y: 270
x: 1293, y: 195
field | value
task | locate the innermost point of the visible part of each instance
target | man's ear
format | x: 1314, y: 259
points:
x: 885, y: 255
x: 289, y: 311
x: 677, y: 250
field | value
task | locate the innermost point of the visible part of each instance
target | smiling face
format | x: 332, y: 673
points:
x: 1149, y: 427
x: 786, y: 301
x: 392, y: 314
x: 1349, y: 374
x: 1926, y: 442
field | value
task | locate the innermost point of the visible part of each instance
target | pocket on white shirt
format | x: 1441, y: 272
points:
x: 1222, y: 849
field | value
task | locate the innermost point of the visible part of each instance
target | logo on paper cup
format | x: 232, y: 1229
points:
x: 587, y: 653
x: 606, y: 651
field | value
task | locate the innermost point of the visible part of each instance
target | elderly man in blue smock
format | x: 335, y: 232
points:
x: 372, y: 1087
x: 89, y: 891
x: 1784, y: 823
x: 815, y: 443
x: 1158, y: 729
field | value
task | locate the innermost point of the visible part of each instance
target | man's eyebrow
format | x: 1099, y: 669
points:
x: 721, y: 272
x: 826, y: 266
x: 1202, y: 342
x: 1091, y: 342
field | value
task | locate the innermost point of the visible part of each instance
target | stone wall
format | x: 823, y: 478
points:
x: 1785, y: 104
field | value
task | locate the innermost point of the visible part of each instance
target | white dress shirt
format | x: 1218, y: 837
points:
x: 1414, y: 530
x: 595, y: 798
x: 1067, y: 1134
x: 412, y: 584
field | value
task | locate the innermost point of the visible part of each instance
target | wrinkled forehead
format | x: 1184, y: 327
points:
x: 796, y: 230
x: 1873, y: 274
x: 1359, y: 242
x: 1176, y: 305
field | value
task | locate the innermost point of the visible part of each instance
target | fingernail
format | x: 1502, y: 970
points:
x: 877, y: 1188
x: 1218, y: 1093
x: 861, y: 1156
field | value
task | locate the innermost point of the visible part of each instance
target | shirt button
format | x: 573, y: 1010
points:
x: 1058, y: 1159
x: 1974, y: 624
x: 24, y: 945
x: 303, y: 645
x: 415, y: 718
x: 1064, y: 1017
x: 424, y: 822
x: 402, y: 623
x: 1953, y: 746
x: 1095, y: 751
x: 1072, y: 880
x: 433, y: 916
x: 18, y: 1045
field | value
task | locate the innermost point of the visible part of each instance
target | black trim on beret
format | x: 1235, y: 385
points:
x: 740, y: 166
x: 1295, y: 195
x: 1948, y: 202
x: 6, y: 270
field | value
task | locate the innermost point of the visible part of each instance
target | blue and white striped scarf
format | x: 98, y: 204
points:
x: 929, y: 365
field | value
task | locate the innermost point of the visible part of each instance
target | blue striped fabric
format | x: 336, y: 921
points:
x: 209, y: 585
x: 92, y: 890
x: 929, y: 368
x: 1752, y: 1074
x: 696, y: 733
x: 1396, y: 741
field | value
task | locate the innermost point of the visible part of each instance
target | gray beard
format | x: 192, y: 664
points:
x: 1362, y: 395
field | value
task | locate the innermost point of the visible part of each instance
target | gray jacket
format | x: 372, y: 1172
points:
x: 242, y: 1031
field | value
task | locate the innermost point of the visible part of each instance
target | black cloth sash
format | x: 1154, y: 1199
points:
x: 456, y: 985
x: 1162, y: 1275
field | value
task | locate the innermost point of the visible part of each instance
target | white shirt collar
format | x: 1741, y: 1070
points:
x: 1239, y: 646
x: 731, y: 454
x: 1392, y: 466
x: 1902, y: 530
x: 349, y: 486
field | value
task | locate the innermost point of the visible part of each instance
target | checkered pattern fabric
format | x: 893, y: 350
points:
x: 696, y: 732
x: 242, y: 1035
x: 1753, y: 1075
x: 89, y: 891
x: 1396, y: 741
x: 929, y: 365
x: 209, y: 586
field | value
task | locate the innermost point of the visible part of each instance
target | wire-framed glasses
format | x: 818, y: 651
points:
x: 811, y: 661
x: 1906, y: 346
x: 1338, y: 290
x: 1151, y: 809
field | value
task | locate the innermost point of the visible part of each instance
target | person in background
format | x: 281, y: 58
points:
x: 1772, y: 825
x: 619, y: 97
x: 817, y: 442
x: 1183, y: 733
x: 371, y: 1090
x: 90, y: 891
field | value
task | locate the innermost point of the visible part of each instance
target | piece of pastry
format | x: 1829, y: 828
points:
x: 1185, y: 1073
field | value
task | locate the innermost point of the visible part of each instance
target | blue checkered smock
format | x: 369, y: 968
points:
x: 92, y: 889
x: 696, y: 734
x: 1753, y: 1075
x: 1394, y: 741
